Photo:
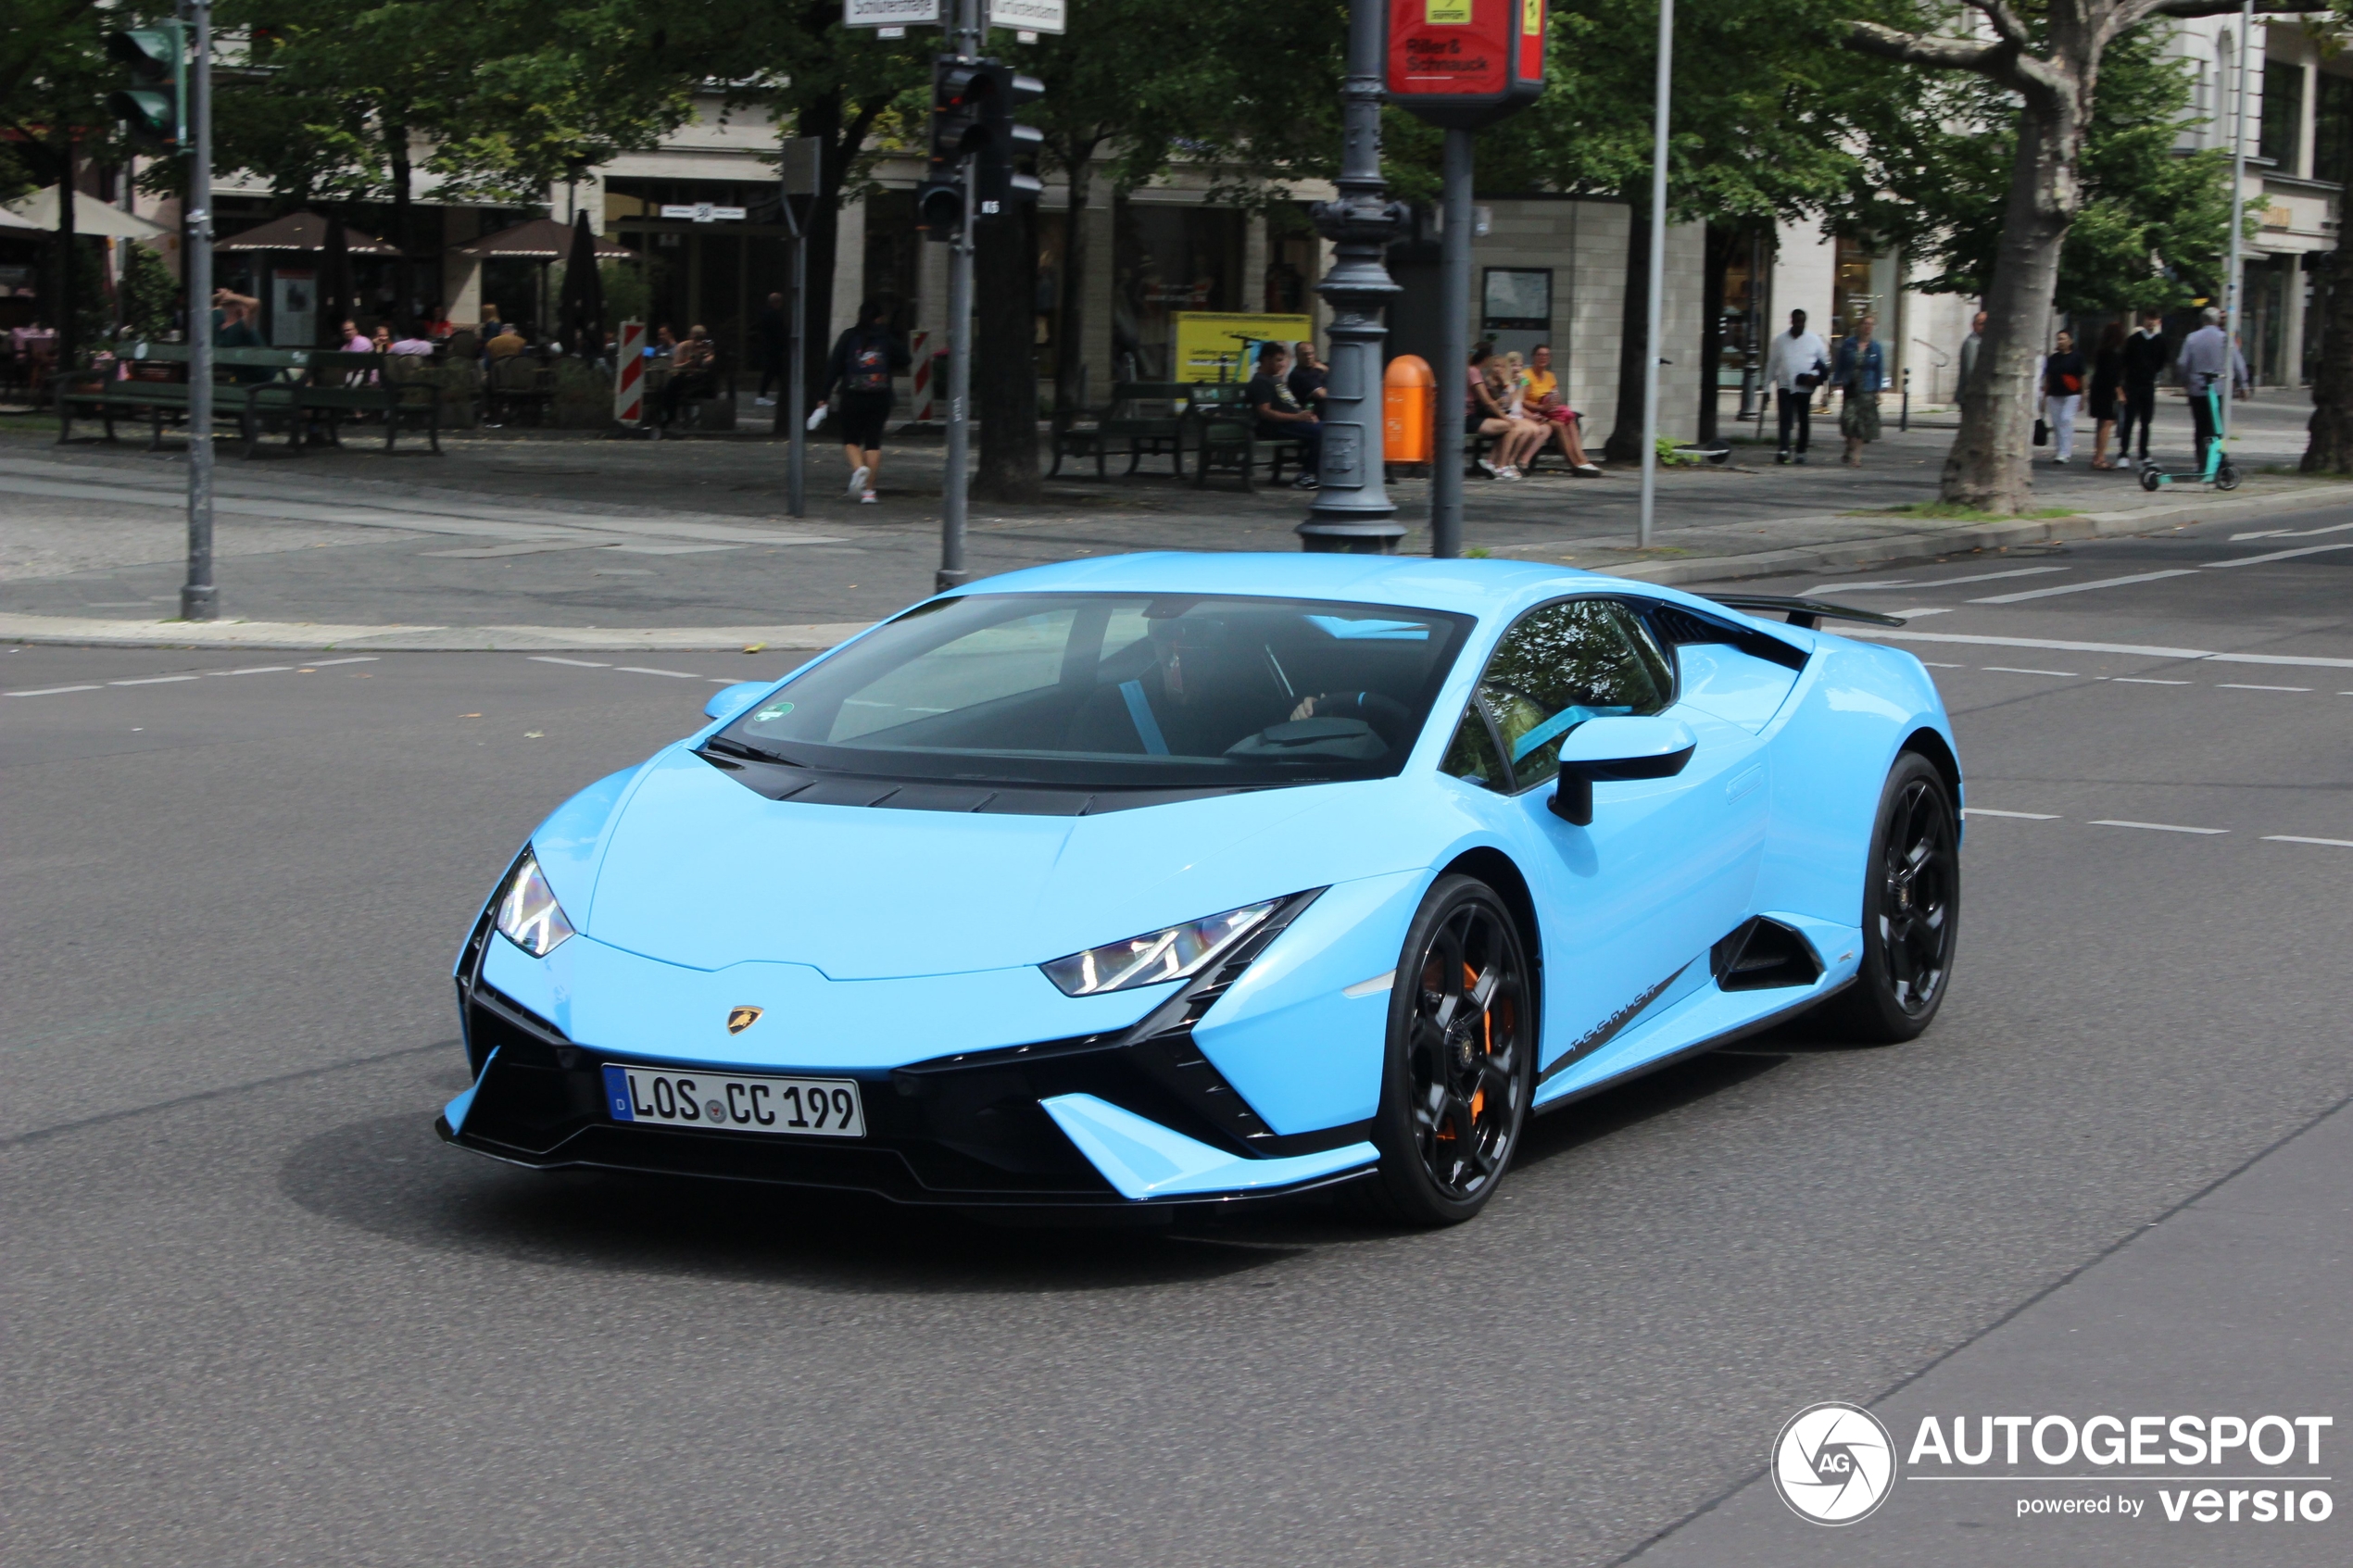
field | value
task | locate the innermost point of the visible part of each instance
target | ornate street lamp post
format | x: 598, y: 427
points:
x: 1352, y: 512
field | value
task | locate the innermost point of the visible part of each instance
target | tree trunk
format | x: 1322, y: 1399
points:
x: 404, y: 269
x: 2331, y: 447
x: 1991, y: 464
x: 1005, y: 354
x: 1070, y: 314
x: 1625, y: 443
x: 1721, y: 243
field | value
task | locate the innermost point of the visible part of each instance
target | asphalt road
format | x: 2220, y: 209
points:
x: 255, y: 1313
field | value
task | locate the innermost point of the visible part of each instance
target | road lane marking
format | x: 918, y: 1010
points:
x: 2022, y: 816
x: 155, y: 679
x: 2293, y: 838
x: 1940, y: 582
x: 330, y: 663
x: 2013, y: 670
x: 254, y: 670
x: 2153, y: 827
x: 2277, y: 555
x: 2087, y: 587
x: 2243, y: 686
x: 2142, y: 650
x: 575, y: 663
x: 641, y: 670
x: 2142, y: 681
x: 2292, y: 533
x: 1918, y: 610
x: 51, y: 691
x: 1933, y: 665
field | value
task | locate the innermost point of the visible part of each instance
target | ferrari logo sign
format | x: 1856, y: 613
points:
x: 741, y: 1018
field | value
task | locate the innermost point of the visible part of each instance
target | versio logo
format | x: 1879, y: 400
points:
x: 1833, y: 1463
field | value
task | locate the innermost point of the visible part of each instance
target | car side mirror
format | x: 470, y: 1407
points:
x: 1617, y: 749
x: 728, y: 701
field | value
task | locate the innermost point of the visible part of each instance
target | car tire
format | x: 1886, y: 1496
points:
x: 1460, y: 1063
x: 1911, y: 910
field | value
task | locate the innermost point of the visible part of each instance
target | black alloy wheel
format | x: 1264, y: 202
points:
x: 1461, y: 1059
x: 1911, y: 909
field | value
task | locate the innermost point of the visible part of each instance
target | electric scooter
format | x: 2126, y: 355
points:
x: 2217, y: 472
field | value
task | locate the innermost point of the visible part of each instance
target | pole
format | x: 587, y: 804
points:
x: 1352, y: 512
x: 2231, y: 290
x: 1659, y: 272
x: 952, y: 572
x: 796, y: 392
x: 1453, y: 347
x: 199, y: 598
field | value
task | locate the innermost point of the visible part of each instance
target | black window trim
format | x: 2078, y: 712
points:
x: 1636, y: 608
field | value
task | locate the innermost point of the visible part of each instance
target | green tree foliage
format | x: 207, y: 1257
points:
x: 2154, y: 226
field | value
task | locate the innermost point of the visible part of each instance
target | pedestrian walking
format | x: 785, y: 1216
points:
x: 1795, y: 365
x: 2108, y: 391
x: 1860, y: 372
x: 2062, y: 395
x: 857, y: 394
x: 1971, y: 346
x: 770, y: 336
x: 2145, y: 356
x: 2207, y: 355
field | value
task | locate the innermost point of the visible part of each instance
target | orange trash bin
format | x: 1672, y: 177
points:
x: 1409, y: 401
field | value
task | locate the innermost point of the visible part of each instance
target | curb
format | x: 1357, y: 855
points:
x: 1895, y: 549
x: 1959, y: 538
x: 299, y: 636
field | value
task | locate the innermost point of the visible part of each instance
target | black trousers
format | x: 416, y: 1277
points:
x: 2202, y: 424
x: 1310, y: 436
x: 692, y: 383
x: 772, y: 373
x: 1797, y: 408
x: 2139, y: 406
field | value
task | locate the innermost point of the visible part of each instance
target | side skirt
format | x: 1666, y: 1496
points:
x: 1698, y: 1047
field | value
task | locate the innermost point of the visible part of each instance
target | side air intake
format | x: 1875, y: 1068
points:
x: 1761, y: 955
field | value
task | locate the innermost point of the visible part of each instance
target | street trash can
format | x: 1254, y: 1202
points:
x: 1409, y: 400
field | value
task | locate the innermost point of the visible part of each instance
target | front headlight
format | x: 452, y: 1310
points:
x: 528, y: 914
x: 1171, y: 954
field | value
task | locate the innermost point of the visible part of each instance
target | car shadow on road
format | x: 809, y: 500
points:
x: 391, y: 1176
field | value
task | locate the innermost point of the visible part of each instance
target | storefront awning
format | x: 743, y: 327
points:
x: 91, y: 216
x: 540, y: 239
x: 303, y: 230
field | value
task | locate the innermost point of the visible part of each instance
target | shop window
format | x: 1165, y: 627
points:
x: 1165, y: 260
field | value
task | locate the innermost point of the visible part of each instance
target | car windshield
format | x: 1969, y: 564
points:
x: 1106, y: 691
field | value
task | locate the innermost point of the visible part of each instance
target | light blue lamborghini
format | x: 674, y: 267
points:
x: 1171, y: 879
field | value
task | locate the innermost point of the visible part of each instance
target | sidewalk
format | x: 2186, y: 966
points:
x: 544, y: 542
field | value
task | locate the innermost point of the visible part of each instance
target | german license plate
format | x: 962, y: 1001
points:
x: 822, y: 1107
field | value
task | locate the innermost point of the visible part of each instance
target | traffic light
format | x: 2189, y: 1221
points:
x: 156, y: 106
x: 957, y: 87
x: 1002, y: 140
x: 972, y: 116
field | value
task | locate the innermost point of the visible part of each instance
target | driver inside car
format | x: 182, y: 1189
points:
x: 1211, y: 691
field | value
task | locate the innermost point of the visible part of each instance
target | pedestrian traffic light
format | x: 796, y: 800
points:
x: 156, y: 106
x: 1002, y: 140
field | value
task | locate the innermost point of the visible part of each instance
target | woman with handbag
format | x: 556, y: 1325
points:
x: 2063, y: 394
x: 1861, y: 372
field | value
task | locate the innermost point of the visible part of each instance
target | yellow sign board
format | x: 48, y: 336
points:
x: 1448, y: 13
x: 1221, y: 345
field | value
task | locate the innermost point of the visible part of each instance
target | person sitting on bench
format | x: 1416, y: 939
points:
x: 692, y: 369
x: 1276, y: 415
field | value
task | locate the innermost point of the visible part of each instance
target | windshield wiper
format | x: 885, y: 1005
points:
x: 729, y: 746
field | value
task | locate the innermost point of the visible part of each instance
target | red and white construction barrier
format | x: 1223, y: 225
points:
x: 923, y: 380
x: 629, y: 374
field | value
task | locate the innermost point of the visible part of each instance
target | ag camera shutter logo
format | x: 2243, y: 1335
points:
x: 1833, y: 1463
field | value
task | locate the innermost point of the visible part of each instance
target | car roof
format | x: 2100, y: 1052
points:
x: 1483, y: 588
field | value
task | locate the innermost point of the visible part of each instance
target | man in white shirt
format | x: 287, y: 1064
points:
x: 1795, y: 365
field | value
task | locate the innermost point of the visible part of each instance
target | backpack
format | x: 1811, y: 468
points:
x: 869, y: 367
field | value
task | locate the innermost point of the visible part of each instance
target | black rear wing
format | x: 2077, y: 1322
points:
x: 1803, y: 613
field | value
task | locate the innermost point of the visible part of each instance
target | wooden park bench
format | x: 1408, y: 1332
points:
x: 1230, y: 439
x: 249, y: 384
x: 393, y: 387
x: 1146, y: 419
